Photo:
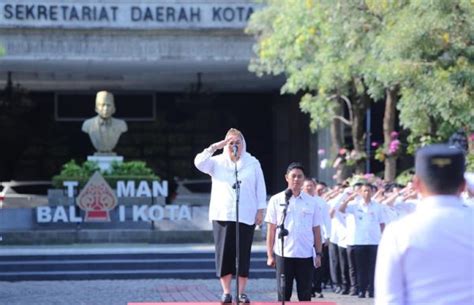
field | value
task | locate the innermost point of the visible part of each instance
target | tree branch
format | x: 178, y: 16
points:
x: 343, y: 120
x: 349, y: 108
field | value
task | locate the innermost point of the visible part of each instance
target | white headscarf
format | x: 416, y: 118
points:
x: 245, y: 157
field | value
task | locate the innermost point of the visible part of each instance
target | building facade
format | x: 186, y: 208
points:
x: 179, y: 73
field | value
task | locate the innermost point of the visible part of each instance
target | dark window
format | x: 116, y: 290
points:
x: 201, y: 187
x: 32, y: 189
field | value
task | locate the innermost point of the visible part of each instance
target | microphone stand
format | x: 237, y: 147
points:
x: 236, y: 187
x: 281, y: 235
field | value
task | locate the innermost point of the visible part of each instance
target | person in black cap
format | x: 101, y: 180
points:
x: 303, y: 220
x: 427, y: 257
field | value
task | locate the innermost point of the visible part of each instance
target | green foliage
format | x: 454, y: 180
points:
x: 73, y: 171
x: 405, y: 177
x: 426, y: 49
x: 470, y: 163
x: 319, y: 46
x: 132, y: 170
x: 330, y: 48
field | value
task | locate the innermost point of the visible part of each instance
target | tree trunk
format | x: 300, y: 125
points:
x: 388, y: 127
x: 337, y: 139
x: 337, y: 142
x: 359, y: 109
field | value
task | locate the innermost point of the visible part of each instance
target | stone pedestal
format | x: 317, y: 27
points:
x: 105, y: 162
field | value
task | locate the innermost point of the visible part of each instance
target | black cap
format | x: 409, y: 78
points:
x: 294, y: 165
x: 440, y: 163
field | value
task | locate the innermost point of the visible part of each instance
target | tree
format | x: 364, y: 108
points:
x: 321, y: 47
x: 416, y: 55
x: 426, y: 50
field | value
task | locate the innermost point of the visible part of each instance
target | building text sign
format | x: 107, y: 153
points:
x: 125, y: 14
x: 97, y: 199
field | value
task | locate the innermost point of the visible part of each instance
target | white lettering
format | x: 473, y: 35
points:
x: 121, y: 213
x: 172, y: 209
x: 139, y: 213
x: 72, y: 215
x: 155, y: 212
x: 143, y: 190
x: 43, y: 214
x: 161, y: 189
x: 184, y: 213
x: 126, y: 190
x: 60, y: 214
x: 70, y: 185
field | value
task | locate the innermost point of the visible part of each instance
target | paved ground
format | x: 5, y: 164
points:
x: 119, y: 292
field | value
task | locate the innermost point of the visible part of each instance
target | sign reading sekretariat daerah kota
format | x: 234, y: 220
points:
x: 125, y: 14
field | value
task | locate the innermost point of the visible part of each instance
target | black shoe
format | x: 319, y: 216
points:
x: 243, y: 298
x: 371, y: 294
x: 345, y: 292
x: 338, y: 290
x: 352, y: 292
x: 319, y: 295
x: 361, y: 295
x: 226, y: 298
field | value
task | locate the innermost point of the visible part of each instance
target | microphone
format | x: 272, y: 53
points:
x: 235, y: 149
x: 288, y: 194
x: 284, y: 232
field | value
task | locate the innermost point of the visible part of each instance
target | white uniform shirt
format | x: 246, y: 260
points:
x: 338, y: 223
x: 252, y: 187
x: 427, y: 257
x: 363, y: 223
x: 326, y: 221
x: 302, y: 215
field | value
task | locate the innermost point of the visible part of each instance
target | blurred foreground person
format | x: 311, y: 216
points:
x: 427, y: 257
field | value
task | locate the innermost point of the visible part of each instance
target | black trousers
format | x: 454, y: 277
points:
x: 321, y: 274
x: 224, y: 241
x: 365, y: 256
x: 344, y: 265
x: 352, y: 268
x: 294, y: 269
x: 334, y: 267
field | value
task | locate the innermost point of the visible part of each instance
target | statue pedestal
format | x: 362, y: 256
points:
x: 105, y: 162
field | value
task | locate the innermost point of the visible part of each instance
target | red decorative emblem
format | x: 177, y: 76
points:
x: 97, y: 198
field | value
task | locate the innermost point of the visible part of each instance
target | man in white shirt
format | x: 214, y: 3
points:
x: 364, y: 228
x: 427, y: 257
x: 339, y: 259
x: 309, y: 187
x: 299, y: 213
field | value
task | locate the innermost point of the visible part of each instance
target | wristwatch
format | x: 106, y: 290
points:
x: 320, y: 254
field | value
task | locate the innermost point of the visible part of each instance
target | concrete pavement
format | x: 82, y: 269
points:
x: 120, y: 292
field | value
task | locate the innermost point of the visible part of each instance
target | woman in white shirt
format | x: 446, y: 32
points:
x: 222, y: 207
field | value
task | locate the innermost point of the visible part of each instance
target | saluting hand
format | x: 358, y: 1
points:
x: 220, y: 144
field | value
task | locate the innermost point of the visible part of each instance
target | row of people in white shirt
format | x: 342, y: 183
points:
x: 354, y: 232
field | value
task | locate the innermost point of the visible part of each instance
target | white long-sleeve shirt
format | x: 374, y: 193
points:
x: 338, y: 223
x: 427, y: 257
x: 223, y: 197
